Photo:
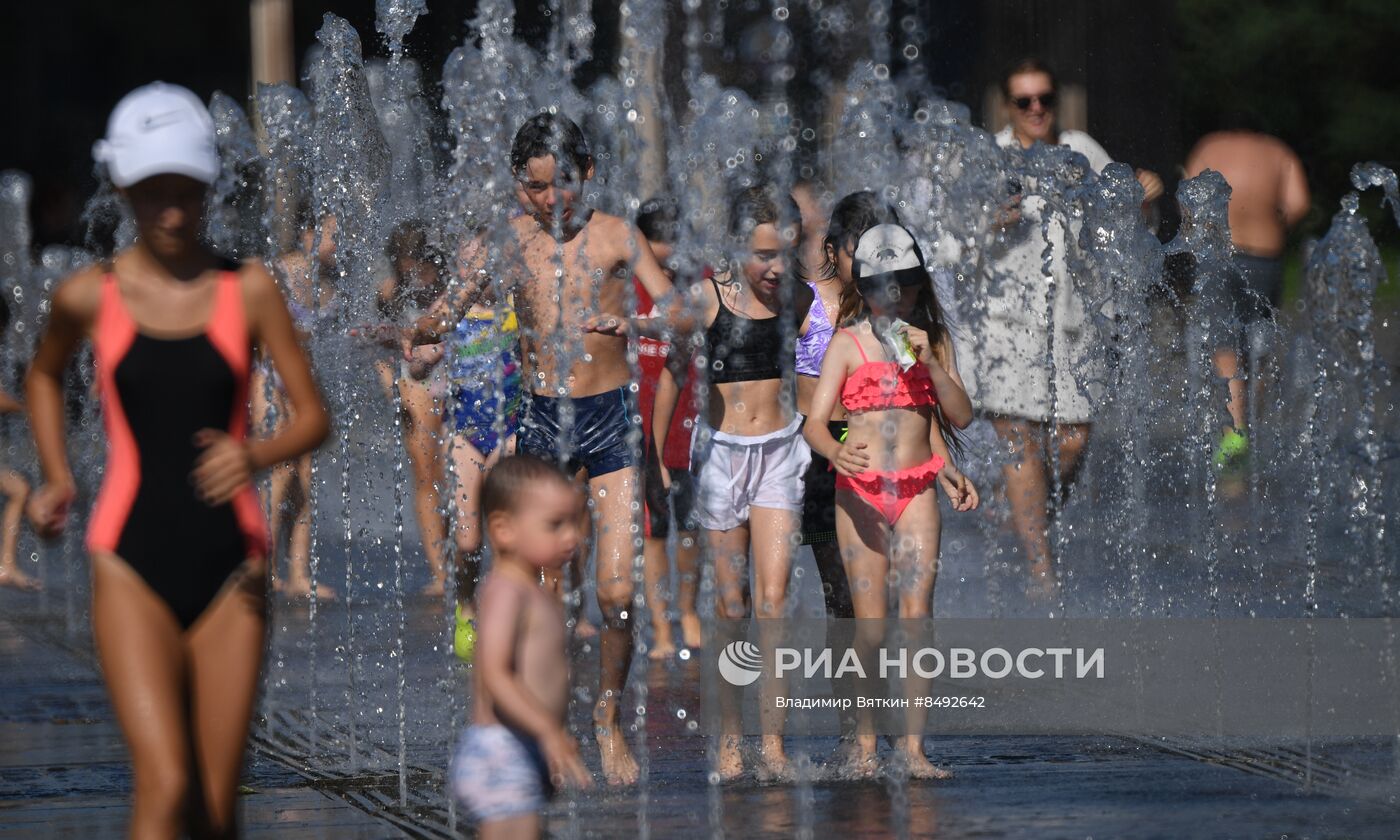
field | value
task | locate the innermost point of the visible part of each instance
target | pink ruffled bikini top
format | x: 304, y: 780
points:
x: 878, y: 386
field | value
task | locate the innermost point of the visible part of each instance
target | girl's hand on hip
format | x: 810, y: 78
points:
x: 851, y: 459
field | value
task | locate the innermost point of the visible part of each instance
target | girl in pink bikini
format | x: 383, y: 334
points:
x: 891, y: 365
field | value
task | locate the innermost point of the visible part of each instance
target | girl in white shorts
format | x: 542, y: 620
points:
x: 748, y: 455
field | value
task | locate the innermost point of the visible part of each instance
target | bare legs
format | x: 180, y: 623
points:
x: 1228, y: 367
x: 879, y: 558
x: 183, y: 698
x: 422, y: 441
x: 688, y: 586
x: 657, y: 574
x: 289, y: 494
x: 769, y: 535
x: 611, y: 497
x: 470, y: 468
x: 16, y: 491
x: 1028, y: 485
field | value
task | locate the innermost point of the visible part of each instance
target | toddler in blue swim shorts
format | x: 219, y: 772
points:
x: 517, y: 748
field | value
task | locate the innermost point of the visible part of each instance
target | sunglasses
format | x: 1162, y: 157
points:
x: 1046, y: 100
x: 905, y: 278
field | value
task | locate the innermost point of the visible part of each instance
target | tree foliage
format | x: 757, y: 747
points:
x: 1321, y: 75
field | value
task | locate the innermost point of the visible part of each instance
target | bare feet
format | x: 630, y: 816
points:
x: 690, y: 630
x: 1043, y: 585
x: 435, y: 589
x: 729, y: 763
x: 15, y: 579
x: 665, y: 646
x: 619, y: 767
x: 920, y: 767
x: 584, y: 629
x: 301, y: 588
x: 774, y: 766
x: 857, y: 761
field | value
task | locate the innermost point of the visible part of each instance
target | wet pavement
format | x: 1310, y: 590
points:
x: 63, y: 768
x: 362, y: 702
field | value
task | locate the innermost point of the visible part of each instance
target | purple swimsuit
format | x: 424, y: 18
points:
x: 811, y: 348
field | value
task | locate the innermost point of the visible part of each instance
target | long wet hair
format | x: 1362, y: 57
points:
x: 927, y: 315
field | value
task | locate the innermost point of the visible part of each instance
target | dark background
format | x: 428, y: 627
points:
x: 1155, y: 74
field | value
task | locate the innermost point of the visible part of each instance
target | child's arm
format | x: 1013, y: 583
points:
x: 10, y: 405
x: 672, y: 315
x: 668, y: 394
x: 849, y: 458
x: 468, y: 288
x: 73, y: 301
x: 960, y: 489
x: 499, y: 621
x: 942, y: 364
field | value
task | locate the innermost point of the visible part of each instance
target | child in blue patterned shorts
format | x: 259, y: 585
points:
x: 517, y: 748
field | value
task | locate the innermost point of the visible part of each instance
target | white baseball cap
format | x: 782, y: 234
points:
x: 159, y: 129
x: 889, y: 250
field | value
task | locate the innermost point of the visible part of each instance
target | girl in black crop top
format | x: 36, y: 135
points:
x: 748, y: 455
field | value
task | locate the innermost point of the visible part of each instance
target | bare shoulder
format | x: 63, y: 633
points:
x: 614, y: 230
x: 608, y: 224
x: 292, y: 268
x: 519, y: 223
x: 497, y: 593
x: 1205, y: 147
x: 705, y: 291
x: 843, y: 346
x: 257, y: 283
x: 79, y: 295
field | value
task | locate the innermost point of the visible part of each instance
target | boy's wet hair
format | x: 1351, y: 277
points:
x: 659, y: 220
x: 551, y: 135
x: 511, y: 478
x: 762, y: 204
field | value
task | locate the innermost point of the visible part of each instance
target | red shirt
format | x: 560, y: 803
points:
x: 651, y: 358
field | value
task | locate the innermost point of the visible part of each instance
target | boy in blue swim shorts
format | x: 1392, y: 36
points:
x: 564, y: 266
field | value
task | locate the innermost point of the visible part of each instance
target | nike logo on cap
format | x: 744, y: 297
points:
x: 154, y: 121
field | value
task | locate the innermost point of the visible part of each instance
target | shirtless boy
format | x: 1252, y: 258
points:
x: 1268, y: 196
x: 565, y: 264
x: 517, y: 748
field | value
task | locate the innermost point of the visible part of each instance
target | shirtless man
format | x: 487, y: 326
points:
x: 1268, y: 195
x: 566, y: 264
